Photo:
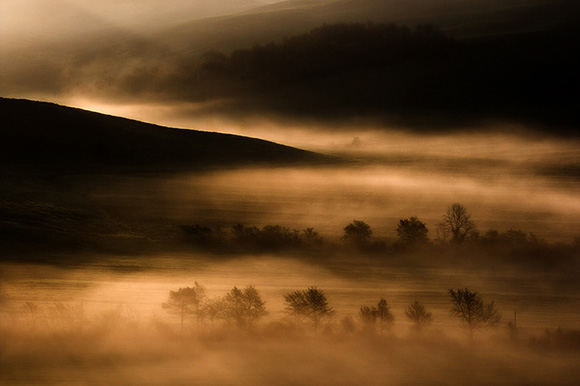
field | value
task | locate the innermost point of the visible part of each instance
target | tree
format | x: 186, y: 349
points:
x: 246, y: 237
x: 213, y: 309
x: 244, y: 307
x: 384, y: 315
x: 514, y: 237
x: 490, y: 237
x: 368, y: 317
x: 412, y: 231
x: 457, y: 222
x: 357, y: 232
x: 470, y: 309
x: 200, y: 235
x: 311, y: 237
x: 311, y: 304
x: 418, y: 315
x: 185, y: 301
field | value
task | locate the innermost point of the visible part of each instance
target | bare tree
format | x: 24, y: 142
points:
x: 244, y: 307
x: 457, y: 222
x: 185, y: 301
x: 311, y: 304
x: 470, y: 309
x: 418, y: 315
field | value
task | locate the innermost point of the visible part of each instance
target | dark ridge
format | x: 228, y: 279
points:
x: 44, y: 136
x: 418, y: 78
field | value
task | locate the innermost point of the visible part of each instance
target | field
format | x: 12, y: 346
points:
x: 113, y: 329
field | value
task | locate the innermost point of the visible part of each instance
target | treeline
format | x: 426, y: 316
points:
x: 324, y: 52
x: 306, y: 312
x: 310, y: 309
x: 456, y: 233
x: 269, y: 238
x: 387, y: 71
x: 245, y: 307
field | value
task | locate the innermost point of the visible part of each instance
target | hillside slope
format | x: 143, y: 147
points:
x: 37, y: 135
x: 64, y: 169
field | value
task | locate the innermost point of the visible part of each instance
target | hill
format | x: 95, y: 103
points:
x: 456, y: 18
x: 47, y: 137
x: 63, y: 170
x: 502, y: 50
x: 414, y: 77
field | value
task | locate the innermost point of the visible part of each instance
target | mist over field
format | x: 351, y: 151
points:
x: 115, y: 330
x: 325, y: 192
x: 92, y: 313
x: 505, y: 181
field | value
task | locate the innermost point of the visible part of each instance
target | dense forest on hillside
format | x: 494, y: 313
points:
x: 411, y: 75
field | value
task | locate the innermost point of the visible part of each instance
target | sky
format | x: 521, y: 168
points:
x: 42, y: 44
x: 55, y: 18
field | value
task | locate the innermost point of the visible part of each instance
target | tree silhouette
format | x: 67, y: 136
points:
x: 311, y: 236
x: 201, y: 235
x: 357, y: 232
x: 418, y: 315
x: 381, y: 313
x: 311, y: 304
x: 384, y: 315
x: 457, y: 222
x: 514, y: 237
x: 412, y: 231
x: 474, y: 314
x: 244, y: 307
x: 185, y: 301
x: 246, y: 237
x: 368, y: 317
x: 213, y: 309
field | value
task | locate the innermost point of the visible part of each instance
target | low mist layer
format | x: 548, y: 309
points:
x: 432, y: 240
x: 105, y: 323
x: 533, y: 189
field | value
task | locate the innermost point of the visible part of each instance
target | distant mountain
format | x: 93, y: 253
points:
x: 45, y: 136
